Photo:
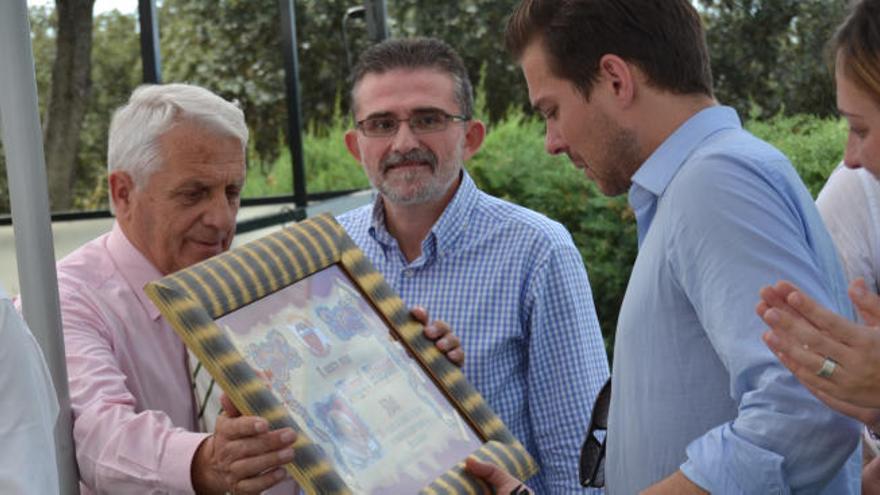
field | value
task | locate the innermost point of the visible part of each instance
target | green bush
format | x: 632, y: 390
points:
x: 814, y: 145
x: 329, y: 166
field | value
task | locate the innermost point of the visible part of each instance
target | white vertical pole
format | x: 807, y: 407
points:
x: 26, y: 169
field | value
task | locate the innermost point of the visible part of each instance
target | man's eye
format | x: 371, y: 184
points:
x: 381, y: 124
x: 233, y: 193
x: 858, y: 131
x: 427, y: 120
x: 192, y: 196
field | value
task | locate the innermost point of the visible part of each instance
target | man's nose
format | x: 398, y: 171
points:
x: 553, y: 143
x: 221, y: 212
x: 404, y: 139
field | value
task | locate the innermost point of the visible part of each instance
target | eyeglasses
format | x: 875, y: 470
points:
x: 419, y: 123
x: 592, y: 463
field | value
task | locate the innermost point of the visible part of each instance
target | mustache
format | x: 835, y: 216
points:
x: 416, y: 155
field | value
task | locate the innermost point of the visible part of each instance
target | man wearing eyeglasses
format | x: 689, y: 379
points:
x: 508, y: 280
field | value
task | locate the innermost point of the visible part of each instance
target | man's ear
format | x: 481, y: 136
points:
x: 620, y: 78
x: 351, y: 142
x: 121, y: 189
x: 473, y: 139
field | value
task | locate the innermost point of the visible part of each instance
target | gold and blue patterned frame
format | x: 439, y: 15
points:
x: 192, y: 299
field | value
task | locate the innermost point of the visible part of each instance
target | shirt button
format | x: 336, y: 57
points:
x: 409, y: 273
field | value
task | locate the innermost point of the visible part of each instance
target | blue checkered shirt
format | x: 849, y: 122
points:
x: 513, y: 287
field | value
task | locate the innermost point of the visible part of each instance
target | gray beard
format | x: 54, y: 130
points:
x: 429, y: 190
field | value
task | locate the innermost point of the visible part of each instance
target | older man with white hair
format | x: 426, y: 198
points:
x: 176, y: 168
x: 176, y: 161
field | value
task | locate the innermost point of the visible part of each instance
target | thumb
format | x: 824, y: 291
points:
x: 420, y: 314
x: 494, y: 476
x: 483, y: 470
x: 228, y: 407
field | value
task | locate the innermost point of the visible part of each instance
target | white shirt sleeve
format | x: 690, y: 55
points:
x: 850, y: 206
x: 30, y: 410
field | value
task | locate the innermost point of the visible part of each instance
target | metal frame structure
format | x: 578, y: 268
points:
x: 29, y: 198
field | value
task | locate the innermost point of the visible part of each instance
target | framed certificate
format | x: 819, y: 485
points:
x: 377, y: 407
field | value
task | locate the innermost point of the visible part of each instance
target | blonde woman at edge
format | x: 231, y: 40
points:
x: 836, y: 359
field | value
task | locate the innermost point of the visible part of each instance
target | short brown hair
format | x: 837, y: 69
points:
x: 416, y: 53
x: 663, y: 38
x: 857, y: 43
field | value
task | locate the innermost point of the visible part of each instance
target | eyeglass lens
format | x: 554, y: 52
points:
x: 419, y: 123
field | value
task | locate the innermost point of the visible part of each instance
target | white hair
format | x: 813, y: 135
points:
x: 152, y: 111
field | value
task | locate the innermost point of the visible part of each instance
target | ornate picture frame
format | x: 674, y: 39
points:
x: 299, y: 328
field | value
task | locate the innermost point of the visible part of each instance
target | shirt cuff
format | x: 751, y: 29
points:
x: 720, y: 462
x: 175, y: 468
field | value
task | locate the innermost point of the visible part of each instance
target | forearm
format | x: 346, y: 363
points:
x: 123, y: 452
x: 119, y: 447
x: 767, y: 453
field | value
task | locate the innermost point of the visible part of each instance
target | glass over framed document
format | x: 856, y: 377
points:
x: 299, y: 328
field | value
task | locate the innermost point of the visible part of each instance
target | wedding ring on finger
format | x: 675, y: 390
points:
x: 827, y: 369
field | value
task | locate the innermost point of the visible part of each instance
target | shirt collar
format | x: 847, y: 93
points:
x: 446, y: 230
x: 651, y: 179
x: 454, y: 220
x: 134, y: 267
x: 659, y: 169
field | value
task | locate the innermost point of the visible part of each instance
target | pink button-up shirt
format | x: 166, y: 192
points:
x: 133, y: 405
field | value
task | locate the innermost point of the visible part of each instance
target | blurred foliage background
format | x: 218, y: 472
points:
x: 768, y: 59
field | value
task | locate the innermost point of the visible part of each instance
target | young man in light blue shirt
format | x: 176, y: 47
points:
x: 698, y: 403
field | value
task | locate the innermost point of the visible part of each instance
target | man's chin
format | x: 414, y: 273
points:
x: 609, y: 189
x: 404, y: 192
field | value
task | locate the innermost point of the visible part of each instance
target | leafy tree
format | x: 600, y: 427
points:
x: 475, y: 29
x: 234, y: 48
x: 231, y: 47
x: 42, y: 20
x: 68, y: 97
x: 768, y: 55
x: 116, y: 71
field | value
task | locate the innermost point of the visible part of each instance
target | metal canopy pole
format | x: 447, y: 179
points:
x: 377, y: 27
x: 151, y: 59
x: 29, y: 198
x: 294, y: 116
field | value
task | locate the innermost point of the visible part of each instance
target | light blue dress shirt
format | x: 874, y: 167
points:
x: 513, y: 287
x: 721, y: 214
